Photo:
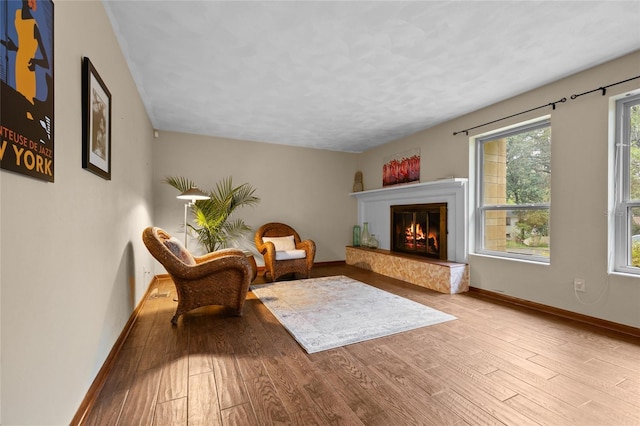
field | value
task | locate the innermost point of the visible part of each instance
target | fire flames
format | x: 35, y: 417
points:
x: 420, y: 237
x: 414, y: 229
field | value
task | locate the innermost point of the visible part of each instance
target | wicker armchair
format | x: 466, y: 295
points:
x: 283, y: 251
x: 218, y: 278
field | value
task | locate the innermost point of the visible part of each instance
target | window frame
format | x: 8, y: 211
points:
x: 481, y: 209
x: 622, y: 186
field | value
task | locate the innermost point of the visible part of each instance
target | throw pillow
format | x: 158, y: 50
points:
x: 178, y: 249
x: 282, y: 243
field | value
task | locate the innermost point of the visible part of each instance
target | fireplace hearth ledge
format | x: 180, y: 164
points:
x: 442, y: 276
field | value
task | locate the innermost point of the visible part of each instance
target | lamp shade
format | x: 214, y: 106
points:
x: 193, y: 194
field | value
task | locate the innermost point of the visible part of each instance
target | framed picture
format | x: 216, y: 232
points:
x: 96, y: 122
x: 401, y: 168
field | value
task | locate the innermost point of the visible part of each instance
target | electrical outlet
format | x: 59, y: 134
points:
x: 579, y: 285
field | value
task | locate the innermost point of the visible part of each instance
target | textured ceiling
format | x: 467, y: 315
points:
x: 352, y: 75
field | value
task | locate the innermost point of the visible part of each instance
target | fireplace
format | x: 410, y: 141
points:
x: 420, y: 229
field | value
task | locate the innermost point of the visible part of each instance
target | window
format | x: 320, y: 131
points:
x: 627, y: 189
x: 514, y: 192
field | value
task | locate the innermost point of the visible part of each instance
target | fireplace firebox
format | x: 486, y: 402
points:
x: 420, y: 229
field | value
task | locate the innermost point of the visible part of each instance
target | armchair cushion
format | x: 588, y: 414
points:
x: 290, y: 254
x: 282, y: 243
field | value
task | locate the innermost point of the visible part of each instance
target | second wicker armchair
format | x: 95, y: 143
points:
x: 283, y: 250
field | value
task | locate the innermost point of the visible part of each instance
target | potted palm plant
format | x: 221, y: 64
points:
x: 213, y: 223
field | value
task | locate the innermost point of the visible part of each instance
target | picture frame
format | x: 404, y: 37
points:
x: 401, y: 168
x: 96, y: 122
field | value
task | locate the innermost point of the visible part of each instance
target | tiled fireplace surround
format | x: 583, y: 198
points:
x: 451, y: 276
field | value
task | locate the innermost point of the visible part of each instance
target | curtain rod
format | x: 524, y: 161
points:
x: 551, y: 104
x: 604, y: 88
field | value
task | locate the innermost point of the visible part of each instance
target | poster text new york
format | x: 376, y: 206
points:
x: 26, y: 153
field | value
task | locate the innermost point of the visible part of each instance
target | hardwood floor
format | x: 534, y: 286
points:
x: 496, y: 364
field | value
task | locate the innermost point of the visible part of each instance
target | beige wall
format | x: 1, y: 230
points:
x: 579, y: 220
x: 306, y: 188
x: 72, y: 261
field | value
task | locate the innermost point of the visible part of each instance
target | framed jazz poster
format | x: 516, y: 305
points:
x: 26, y: 88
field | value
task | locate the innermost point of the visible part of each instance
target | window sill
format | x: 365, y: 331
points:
x: 514, y: 259
x: 625, y: 274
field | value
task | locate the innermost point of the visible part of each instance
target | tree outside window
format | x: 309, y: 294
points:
x: 515, y: 188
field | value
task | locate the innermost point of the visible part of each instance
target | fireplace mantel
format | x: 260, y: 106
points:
x: 374, y: 207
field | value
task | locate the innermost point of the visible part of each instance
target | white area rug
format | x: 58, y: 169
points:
x: 329, y: 312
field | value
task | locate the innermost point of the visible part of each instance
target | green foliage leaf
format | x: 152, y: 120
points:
x: 528, y: 167
x: 212, y: 218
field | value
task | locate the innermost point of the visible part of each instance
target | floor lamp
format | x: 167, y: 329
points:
x: 194, y: 194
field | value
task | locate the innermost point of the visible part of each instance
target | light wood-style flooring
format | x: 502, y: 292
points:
x: 495, y: 365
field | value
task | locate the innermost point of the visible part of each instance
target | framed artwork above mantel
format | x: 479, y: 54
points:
x: 401, y: 168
